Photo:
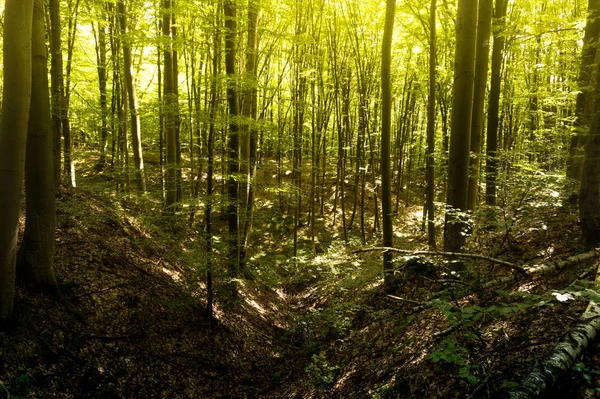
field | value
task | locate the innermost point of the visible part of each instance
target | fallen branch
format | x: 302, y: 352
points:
x: 564, y: 356
x: 561, y: 264
x: 548, y: 267
x: 446, y: 254
x: 409, y: 300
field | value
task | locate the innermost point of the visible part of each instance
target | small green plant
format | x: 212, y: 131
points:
x: 19, y: 388
x: 451, y: 352
x: 322, y: 374
x: 587, y: 373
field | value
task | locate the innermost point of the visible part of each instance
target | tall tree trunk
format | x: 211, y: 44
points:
x: 214, y: 102
x: 102, y: 80
x: 589, y: 196
x: 460, y: 128
x: 491, y: 169
x: 161, y: 107
x: 386, y: 124
x: 69, y: 161
x: 136, y: 134
x: 248, y: 130
x: 176, y: 116
x: 18, y: 17
x: 582, y: 111
x: 35, y: 256
x: 169, y: 109
x: 484, y: 24
x: 233, y: 145
x: 431, y: 130
x: 57, y: 83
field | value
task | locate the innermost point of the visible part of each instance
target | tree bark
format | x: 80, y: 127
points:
x: 491, y: 170
x: 57, y: 86
x: 564, y: 356
x: 589, y: 195
x: 69, y: 161
x: 169, y: 109
x: 386, y: 124
x: 248, y: 130
x: 36, y: 253
x: 583, y: 102
x: 214, y: 103
x: 484, y: 25
x: 136, y: 134
x: 430, y: 162
x: 460, y: 133
x: 102, y: 80
x: 233, y: 145
x: 18, y: 17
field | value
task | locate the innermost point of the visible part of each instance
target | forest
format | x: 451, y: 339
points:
x: 300, y: 199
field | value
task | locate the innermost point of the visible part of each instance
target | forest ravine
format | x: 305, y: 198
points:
x: 299, y: 199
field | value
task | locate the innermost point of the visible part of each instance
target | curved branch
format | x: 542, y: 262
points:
x: 513, y: 266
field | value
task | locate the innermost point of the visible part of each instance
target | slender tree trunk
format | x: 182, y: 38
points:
x: 13, y: 136
x: 102, y: 81
x: 69, y: 161
x: 248, y: 130
x: 386, y: 123
x: 491, y: 169
x: 214, y: 102
x: 161, y: 110
x: 136, y: 135
x: 484, y: 24
x: 169, y: 109
x: 460, y: 135
x: 36, y: 253
x: 431, y: 130
x: 233, y: 145
x: 57, y: 89
x: 177, y: 115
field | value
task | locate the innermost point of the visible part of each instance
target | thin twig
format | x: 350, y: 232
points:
x: 444, y: 281
x: 408, y: 300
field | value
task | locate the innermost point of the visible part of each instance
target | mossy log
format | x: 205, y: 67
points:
x: 548, y: 267
x: 563, y: 357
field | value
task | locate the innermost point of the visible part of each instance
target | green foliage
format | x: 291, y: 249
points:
x: 587, y: 374
x: 19, y: 388
x: 468, y: 318
x: 451, y: 352
x: 511, y: 385
x: 322, y: 374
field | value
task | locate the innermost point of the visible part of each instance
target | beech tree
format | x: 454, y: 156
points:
x: 589, y: 196
x: 484, y: 21
x: 386, y: 121
x: 136, y: 135
x: 35, y: 255
x: 170, y: 107
x: 248, y: 129
x: 460, y: 128
x: 57, y: 85
x: 18, y: 18
x: 229, y: 11
x: 494, y: 103
x: 431, y: 101
x: 585, y: 96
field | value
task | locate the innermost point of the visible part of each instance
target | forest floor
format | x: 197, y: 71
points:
x: 130, y: 322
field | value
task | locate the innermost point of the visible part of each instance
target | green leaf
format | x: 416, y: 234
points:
x: 472, y: 379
